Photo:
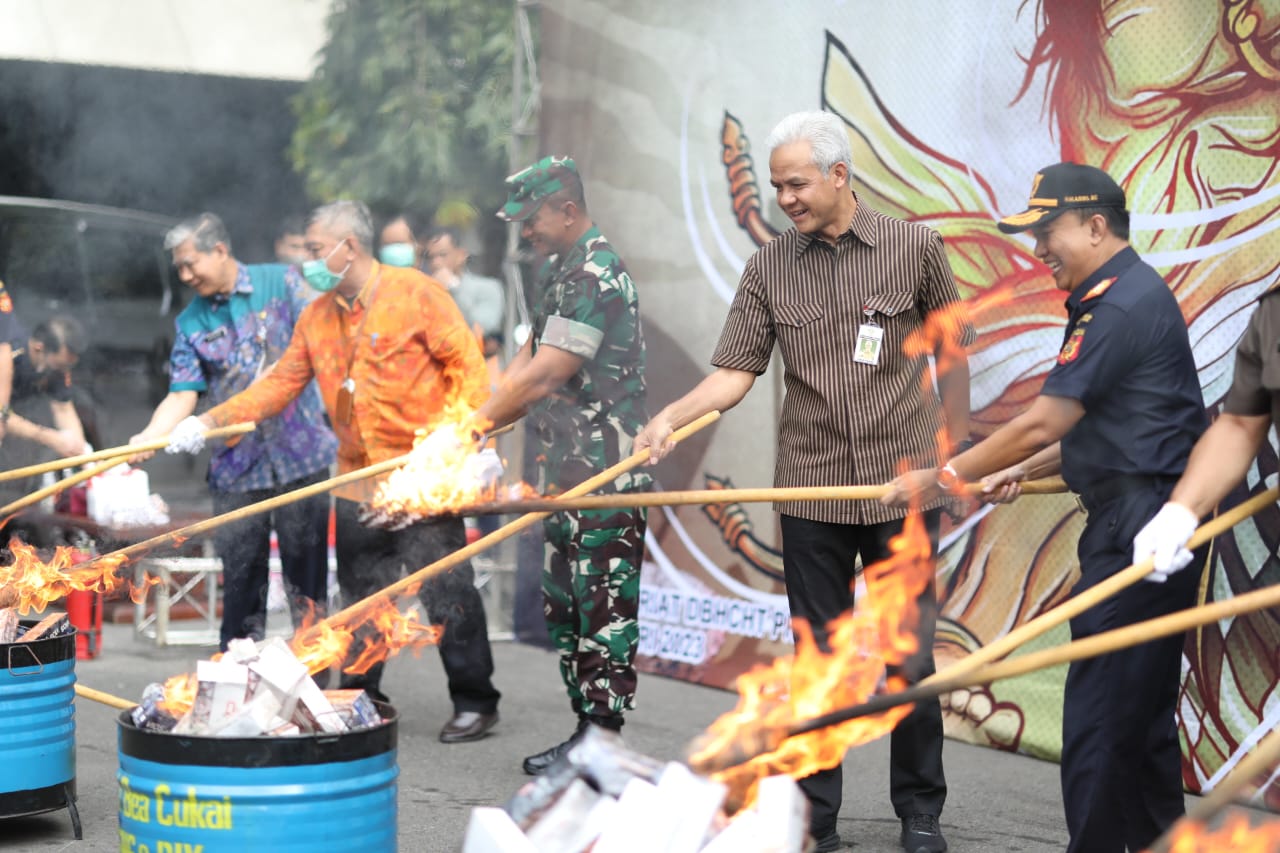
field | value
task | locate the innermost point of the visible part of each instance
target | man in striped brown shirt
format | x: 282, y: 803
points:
x: 839, y: 293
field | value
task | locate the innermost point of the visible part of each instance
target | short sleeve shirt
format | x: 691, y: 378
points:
x: 1255, y: 386
x: 222, y: 345
x: 1127, y: 359
x: 844, y: 422
x: 587, y: 305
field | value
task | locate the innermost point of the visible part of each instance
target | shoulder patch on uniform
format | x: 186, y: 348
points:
x: 1099, y: 288
x: 6, y: 304
x: 1071, y: 348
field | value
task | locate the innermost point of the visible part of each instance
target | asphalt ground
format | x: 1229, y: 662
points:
x: 996, y: 801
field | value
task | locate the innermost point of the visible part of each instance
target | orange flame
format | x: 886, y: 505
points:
x: 440, y: 475
x: 180, y: 693
x: 29, y: 583
x: 1235, y: 835
x: 880, y: 632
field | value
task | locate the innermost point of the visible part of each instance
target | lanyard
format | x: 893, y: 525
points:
x: 351, y: 345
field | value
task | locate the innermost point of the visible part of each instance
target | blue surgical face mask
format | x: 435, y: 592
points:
x: 397, y: 254
x: 318, y: 274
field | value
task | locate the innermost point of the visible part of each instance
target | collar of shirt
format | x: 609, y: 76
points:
x: 365, y: 291
x: 242, y: 285
x: 577, y: 254
x: 862, y: 226
x: 1113, y: 268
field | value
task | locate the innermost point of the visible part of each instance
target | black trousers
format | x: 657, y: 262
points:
x: 370, y: 559
x: 1121, y: 761
x: 818, y: 564
x: 245, y: 548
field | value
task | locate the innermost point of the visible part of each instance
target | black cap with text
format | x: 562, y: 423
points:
x: 1063, y: 187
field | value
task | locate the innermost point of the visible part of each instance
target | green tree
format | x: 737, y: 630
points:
x: 410, y: 107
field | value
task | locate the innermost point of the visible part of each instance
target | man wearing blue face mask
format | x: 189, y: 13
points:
x: 235, y: 329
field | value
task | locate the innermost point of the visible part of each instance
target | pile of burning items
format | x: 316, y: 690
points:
x: 601, y: 796
x: 254, y: 689
x: 12, y: 630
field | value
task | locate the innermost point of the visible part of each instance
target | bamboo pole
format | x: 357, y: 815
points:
x: 112, y: 452
x: 1073, y: 607
x: 621, y: 500
x: 353, y: 612
x: 65, y: 483
x: 760, y: 742
x: 105, y: 698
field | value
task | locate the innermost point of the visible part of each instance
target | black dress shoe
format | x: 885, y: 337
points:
x: 536, y: 765
x: 468, y: 725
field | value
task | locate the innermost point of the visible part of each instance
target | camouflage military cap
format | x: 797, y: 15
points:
x: 529, y: 187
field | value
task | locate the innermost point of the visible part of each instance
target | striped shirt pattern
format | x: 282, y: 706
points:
x: 844, y: 423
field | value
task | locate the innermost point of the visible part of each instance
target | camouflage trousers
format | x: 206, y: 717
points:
x: 591, y: 599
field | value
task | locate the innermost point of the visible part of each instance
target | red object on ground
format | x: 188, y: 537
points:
x: 84, y: 609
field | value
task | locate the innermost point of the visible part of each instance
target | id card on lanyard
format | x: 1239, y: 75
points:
x: 870, y: 339
x: 344, y: 406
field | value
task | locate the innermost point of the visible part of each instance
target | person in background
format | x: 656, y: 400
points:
x: 291, y: 241
x: 398, y: 245
x: 389, y: 352
x: 481, y: 299
x: 233, y: 331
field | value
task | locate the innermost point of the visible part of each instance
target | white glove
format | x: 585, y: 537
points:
x: 1165, y: 538
x: 485, y: 468
x: 187, y: 436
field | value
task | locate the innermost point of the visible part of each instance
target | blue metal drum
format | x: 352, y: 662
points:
x: 183, y: 794
x: 38, y: 727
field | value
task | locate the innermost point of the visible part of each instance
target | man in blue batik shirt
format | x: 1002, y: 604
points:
x: 233, y: 331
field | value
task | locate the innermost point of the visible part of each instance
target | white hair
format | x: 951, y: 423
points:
x: 825, y: 132
x: 345, y: 218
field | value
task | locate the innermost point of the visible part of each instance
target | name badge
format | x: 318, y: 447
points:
x: 870, y: 339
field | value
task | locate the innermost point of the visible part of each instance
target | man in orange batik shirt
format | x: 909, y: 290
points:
x: 390, y: 351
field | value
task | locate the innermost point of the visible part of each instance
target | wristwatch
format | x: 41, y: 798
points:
x: 948, y: 480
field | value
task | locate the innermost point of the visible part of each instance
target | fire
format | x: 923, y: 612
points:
x: 878, y: 633
x: 393, y: 632
x: 440, y: 475
x: 180, y: 693
x: 30, y: 584
x: 1235, y: 834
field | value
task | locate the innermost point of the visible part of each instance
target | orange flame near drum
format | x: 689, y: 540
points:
x: 388, y: 632
x: 1235, y: 835
x: 31, y: 584
x: 879, y: 633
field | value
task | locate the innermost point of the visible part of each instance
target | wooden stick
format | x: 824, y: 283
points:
x: 621, y: 500
x: 1120, y: 580
x: 763, y: 741
x: 63, y: 484
x: 354, y: 612
x: 185, y: 533
x: 112, y: 452
x: 104, y: 698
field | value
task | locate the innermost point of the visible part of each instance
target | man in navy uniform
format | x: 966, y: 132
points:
x: 1118, y: 416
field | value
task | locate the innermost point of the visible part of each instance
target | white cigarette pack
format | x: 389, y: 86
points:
x: 220, y: 695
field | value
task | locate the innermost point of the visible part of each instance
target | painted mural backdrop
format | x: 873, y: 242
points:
x: 951, y: 108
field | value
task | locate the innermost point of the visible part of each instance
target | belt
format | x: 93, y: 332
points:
x: 1105, y: 491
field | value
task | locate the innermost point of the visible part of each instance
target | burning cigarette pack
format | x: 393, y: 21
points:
x: 53, y: 625
x: 355, y: 707
x: 151, y: 717
x: 223, y: 686
x: 8, y: 625
x: 606, y: 798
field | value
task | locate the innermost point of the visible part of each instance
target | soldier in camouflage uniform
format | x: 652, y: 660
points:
x: 581, y: 378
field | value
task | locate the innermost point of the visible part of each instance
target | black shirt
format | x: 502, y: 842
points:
x: 29, y: 382
x: 1126, y: 358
